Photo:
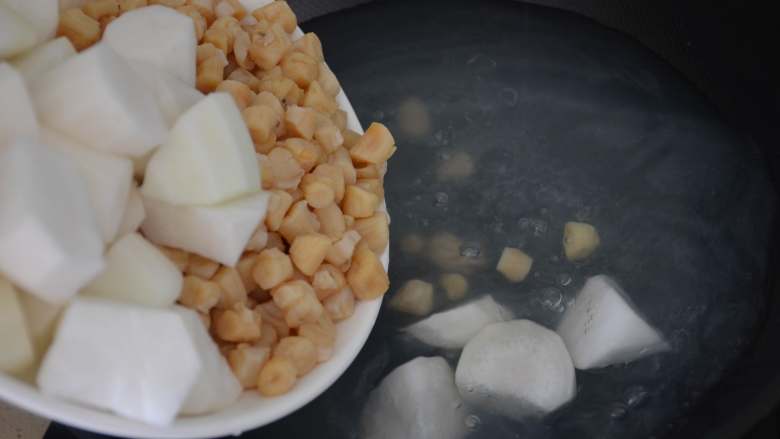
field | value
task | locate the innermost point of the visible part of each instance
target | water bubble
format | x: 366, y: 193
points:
x: 635, y: 396
x: 472, y: 422
x: 470, y: 250
x: 564, y: 279
x: 552, y: 299
x: 441, y: 199
x: 539, y: 227
x: 618, y: 411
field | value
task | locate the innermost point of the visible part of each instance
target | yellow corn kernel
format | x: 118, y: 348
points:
x: 372, y: 185
x: 229, y: 8
x: 237, y: 324
x: 340, y: 253
x: 245, y: 267
x: 285, y: 169
x: 350, y: 138
x: 580, y: 240
x: 268, y: 337
x: 242, y: 94
x: 300, y: 351
x: 272, y: 268
x: 210, y: 73
x: 455, y: 285
x: 316, y: 98
x: 375, y: 146
x: 415, y: 297
x: 375, y: 231
x: 258, y: 240
x: 322, y: 334
x: 367, y: 171
x: 329, y: 137
x: 300, y: 67
x: 129, y: 5
x: 340, y: 305
x: 278, y: 12
x: 341, y: 158
x: 283, y: 88
x: 278, y: 205
x: 219, y: 38
x: 169, y: 3
x: 98, y: 9
x: 277, y: 377
x: 205, y: 8
x: 261, y: 121
x: 202, y: 267
x: 331, y: 221
x: 328, y: 80
x: 246, y: 361
x: 514, y: 264
x: 339, y: 118
x: 327, y: 281
x: 300, y: 122
x: 198, y: 294
x: 307, y: 154
x: 267, y: 50
x: 268, y: 99
x: 298, y: 221
x: 366, y: 275
x: 308, y: 251
x: 81, y: 29
x: 318, y: 191
x: 232, y: 287
x: 273, y: 315
x: 358, y: 202
x: 246, y: 77
x: 311, y: 45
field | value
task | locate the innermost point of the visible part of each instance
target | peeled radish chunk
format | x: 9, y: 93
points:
x: 134, y: 213
x: 452, y: 329
x: 251, y: 5
x: 108, y: 179
x: 17, y: 354
x: 416, y: 400
x: 208, y: 158
x: 518, y: 369
x: 218, y: 232
x: 174, y: 96
x: 43, y: 58
x: 137, y: 361
x: 16, y: 33
x: 158, y: 36
x: 17, y: 116
x: 216, y: 387
x: 603, y: 328
x: 50, y: 243
x: 137, y: 272
x: 97, y: 99
x: 41, y: 14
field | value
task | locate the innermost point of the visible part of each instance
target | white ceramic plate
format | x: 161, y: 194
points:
x: 249, y: 412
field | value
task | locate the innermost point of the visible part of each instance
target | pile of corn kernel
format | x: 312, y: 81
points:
x: 317, y: 251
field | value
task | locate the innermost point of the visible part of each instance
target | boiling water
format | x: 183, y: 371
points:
x: 592, y: 129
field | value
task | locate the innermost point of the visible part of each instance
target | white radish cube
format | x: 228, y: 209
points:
x: 218, y: 232
x: 208, y: 158
x: 604, y: 328
x: 17, y: 353
x: 17, y: 115
x: 16, y: 33
x: 137, y: 361
x: 517, y: 369
x: 134, y: 213
x: 42, y: 318
x: 97, y: 99
x: 156, y: 35
x: 50, y: 243
x: 108, y: 179
x: 43, y: 15
x: 139, y: 164
x: 453, y: 328
x: 216, y: 387
x: 416, y: 400
x: 137, y: 272
x: 34, y: 63
x: 174, y: 96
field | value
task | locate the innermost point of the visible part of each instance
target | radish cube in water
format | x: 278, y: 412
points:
x: 416, y: 400
x: 108, y: 179
x: 603, y: 328
x: 453, y: 328
x: 208, y: 158
x: 34, y: 63
x: 137, y: 272
x: 216, y: 387
x: 17, y: 353
x: 17, y: 115
x: 157, y: 36
x: 50, y: 243
x: 97, y: 99
x: 518, y: 369
x: 219, y: 232
x: 139, y: 362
